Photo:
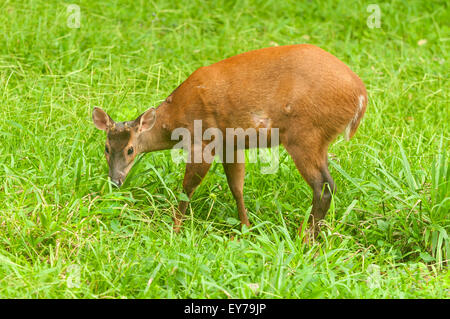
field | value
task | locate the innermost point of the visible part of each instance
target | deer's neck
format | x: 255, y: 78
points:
x: 159, y: 136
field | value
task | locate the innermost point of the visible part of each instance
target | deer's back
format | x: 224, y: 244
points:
x: 274, y: 87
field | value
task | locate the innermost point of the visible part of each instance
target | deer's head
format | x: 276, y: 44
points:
x: 122, y: 138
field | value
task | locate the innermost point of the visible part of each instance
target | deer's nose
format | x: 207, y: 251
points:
x: 117, y: 181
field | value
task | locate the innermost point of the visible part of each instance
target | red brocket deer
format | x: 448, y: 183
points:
x: 304, y: 92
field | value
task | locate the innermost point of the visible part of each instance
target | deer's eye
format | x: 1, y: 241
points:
x: 130, y: 150
x: 107, y: 149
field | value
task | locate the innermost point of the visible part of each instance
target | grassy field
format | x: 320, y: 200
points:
x: 66, y: 233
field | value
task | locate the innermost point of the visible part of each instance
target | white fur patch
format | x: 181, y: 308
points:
x: 348, y: 129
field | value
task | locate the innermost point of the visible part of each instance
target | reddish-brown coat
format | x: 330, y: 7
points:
x: 304, y: 91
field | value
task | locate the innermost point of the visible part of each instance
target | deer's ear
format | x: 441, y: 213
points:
x: 101, y: 120
x: 146, y: 120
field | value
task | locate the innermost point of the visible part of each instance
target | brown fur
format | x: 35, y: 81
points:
x: 304, y: 91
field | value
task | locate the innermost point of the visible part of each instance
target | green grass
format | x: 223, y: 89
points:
x: 65, y: 232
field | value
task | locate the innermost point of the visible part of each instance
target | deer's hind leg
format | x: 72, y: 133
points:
x: 309, y: 153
